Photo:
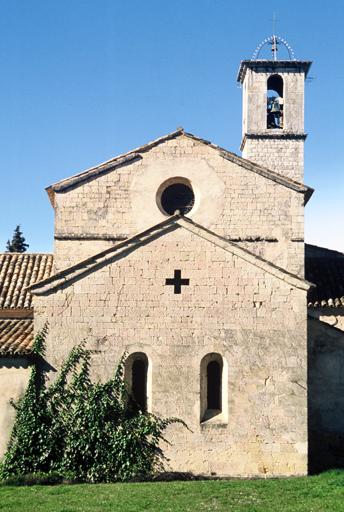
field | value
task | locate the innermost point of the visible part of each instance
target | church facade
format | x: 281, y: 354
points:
x: 191, y: 260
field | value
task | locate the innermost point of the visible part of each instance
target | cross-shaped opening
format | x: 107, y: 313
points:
x: 177, y: 281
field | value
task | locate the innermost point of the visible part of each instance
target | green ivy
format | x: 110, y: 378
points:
x: 80, y: 429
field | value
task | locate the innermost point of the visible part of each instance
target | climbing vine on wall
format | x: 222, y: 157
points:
x: 80, y: 429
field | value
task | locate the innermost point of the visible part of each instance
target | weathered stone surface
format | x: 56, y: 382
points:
x: 14, y: 376
x: 255, y: 321
x: 231, y: 200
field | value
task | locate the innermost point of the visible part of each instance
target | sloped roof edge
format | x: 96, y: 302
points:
x: 135, y: 154
x: 64, y: 275
x: 108, y: 165
x: 244, y: 254
x: 104, y: 257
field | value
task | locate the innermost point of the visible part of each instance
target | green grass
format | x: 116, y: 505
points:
x: 313, y: 494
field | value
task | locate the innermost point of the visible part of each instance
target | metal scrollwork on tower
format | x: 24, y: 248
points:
x: 274, y: 41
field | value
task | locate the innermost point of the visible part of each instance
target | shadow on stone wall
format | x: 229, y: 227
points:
x: 325, y: 397
x: 25, y: 362
x: 14, y: 362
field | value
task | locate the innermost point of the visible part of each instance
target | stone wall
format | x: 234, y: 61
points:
x: 255, y: 321
x: 14, y: 376
x: 230, y: 200
x: 325, y: 395
x: 285, y: 156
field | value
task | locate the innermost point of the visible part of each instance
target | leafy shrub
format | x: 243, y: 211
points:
x: 82, y: 430
x: 35, y: 479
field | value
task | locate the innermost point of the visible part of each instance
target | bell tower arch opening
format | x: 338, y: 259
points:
x: 274, y: 102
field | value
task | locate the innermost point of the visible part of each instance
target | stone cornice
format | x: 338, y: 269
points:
x: 273, y: 66
x: 272, y: 134
x: 89, y: 237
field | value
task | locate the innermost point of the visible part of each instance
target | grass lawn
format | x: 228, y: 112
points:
x: 313, y: 494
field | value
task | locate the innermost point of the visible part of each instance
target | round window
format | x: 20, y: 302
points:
x: 177, y: 196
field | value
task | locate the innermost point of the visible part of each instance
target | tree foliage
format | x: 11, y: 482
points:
x: 80, y: 429
x: 18, y: 242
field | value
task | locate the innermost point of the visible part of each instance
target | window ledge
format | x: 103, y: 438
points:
x: 213, y: 418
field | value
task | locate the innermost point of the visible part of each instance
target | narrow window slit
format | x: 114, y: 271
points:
x: 136, y: 377
x: 212, y: 390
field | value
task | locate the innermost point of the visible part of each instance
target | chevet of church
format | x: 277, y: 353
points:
x: 191, y: 259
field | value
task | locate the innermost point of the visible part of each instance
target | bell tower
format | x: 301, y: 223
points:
x: 273, y: 109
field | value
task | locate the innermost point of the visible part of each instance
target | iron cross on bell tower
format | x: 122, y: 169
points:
x: 274, y: 40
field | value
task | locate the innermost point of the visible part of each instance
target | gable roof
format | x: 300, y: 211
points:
x: 325, y: 268
x: 120, y: 250
x: 136, y: 154
x: 17, y: 272
x: 16, y: 336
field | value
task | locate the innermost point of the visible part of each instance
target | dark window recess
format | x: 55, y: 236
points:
x: 139, y: 384
x: 177, y: 197
x: 214, y: 385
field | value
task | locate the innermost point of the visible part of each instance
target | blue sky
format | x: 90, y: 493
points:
x: 84, y: 80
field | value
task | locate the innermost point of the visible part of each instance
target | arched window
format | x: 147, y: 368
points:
x: 212, y: 386
x: 214, y: 378
x: 274, y: 102
x: 136, y: 372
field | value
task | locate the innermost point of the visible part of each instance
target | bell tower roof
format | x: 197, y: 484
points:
x: 273, y: 66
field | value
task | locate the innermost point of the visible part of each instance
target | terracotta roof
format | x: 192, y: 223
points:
x: 325, y: 268
x: 68, y: 276
x: 17, y: 272
x: 16, y: 336
x: 135, y: 154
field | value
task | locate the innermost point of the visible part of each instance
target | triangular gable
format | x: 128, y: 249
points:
x: 122, y: 249
x: 135, y: 154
